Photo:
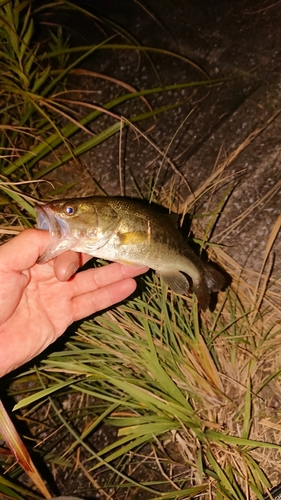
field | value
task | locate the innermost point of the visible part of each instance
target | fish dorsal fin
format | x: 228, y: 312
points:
x: 174, y: 218
x: 176, y: 281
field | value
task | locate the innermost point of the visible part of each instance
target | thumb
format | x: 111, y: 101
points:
x: 22, y: 251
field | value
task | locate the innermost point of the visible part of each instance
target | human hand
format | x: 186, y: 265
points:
x: 37, y: 303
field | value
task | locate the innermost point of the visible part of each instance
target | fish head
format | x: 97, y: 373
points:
x: 79, y: 224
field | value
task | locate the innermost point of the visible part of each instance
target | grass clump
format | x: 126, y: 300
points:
x: 45, y: 120
x: 183, y: 390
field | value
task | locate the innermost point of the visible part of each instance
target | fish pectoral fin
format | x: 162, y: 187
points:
x: 177, y: 281
x: 133, y: 238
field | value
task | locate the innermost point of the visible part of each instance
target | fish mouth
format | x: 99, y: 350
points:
x: 60, y: 234
x: 48, y: 220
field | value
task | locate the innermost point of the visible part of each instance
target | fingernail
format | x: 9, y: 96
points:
x: 72, y: 268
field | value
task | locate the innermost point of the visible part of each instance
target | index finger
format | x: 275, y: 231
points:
x: 101, y: 277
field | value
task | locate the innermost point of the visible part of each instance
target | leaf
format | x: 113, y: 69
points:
x: 41, y: 394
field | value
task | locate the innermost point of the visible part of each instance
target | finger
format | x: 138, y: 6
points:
x: 22, y: 251
x: 91, y: 302
x: 100, y: 277
x: 66, y: 264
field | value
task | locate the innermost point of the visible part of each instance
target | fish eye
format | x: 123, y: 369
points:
x: 70, y: 209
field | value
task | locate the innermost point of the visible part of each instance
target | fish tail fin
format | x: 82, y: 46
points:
x: 202, y: 293
x: 211, y: 280
x: 215, y: 280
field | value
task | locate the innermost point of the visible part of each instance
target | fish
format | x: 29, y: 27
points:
x: 131, y: 232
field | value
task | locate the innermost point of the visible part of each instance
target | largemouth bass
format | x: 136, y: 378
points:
x: 130, y: 232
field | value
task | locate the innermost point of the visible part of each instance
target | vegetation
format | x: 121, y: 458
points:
x: 152, y: 398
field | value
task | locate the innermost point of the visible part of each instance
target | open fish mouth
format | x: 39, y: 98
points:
x: 61, y: 238
x: 47, y: 220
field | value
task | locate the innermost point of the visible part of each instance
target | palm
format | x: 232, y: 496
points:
x: 44, y: 311
x: 46, y: 303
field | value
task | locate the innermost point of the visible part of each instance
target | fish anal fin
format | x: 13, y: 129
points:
x: 133, y: 238
x: 177, y: 281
